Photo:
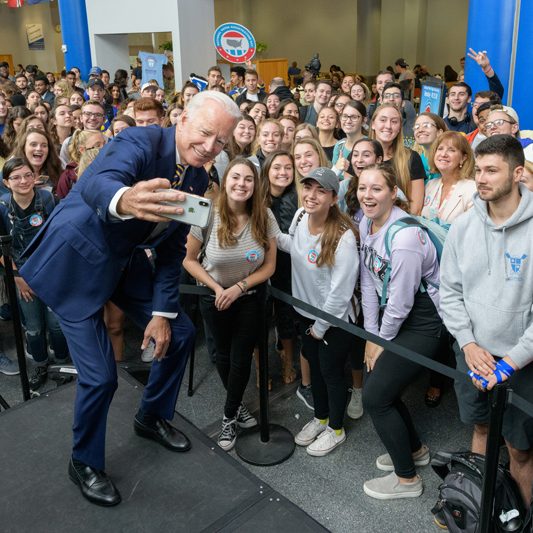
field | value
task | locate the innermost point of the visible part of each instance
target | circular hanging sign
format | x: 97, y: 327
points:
x: 234, y: 42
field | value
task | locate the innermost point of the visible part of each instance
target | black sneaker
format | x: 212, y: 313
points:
x: 305, y: 394
x: 244, y: 418
x: 38, y: 377
x: 228, y: 434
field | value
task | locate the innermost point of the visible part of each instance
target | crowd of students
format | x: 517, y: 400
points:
x: 310, y: 196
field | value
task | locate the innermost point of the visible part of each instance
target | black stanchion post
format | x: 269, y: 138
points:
x: 5, y: 242
x: 269, y: 444
x: 498, y: 401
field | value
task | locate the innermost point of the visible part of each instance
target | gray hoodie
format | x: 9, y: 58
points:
x: 486, y: 289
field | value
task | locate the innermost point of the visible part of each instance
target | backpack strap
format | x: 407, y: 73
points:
x: 392, y: 230
x: 300, y: 216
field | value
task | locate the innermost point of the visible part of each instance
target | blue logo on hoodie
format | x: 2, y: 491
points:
x: 516, y: 264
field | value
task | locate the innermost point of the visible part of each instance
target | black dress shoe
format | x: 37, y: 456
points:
x: 94, y: 484
x: 161, y: 431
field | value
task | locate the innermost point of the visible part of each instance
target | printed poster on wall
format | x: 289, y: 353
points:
x: 34, y: 33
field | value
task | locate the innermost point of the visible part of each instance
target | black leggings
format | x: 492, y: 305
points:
x: 326, y: 362
x: 235, y: 333
x: 382, y: 391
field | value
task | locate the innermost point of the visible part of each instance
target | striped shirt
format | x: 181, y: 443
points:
x: 229, y: 265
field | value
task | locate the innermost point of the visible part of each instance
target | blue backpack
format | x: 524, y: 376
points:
x: 436, y: 233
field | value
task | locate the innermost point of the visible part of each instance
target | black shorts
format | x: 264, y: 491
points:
x: 474, y: 405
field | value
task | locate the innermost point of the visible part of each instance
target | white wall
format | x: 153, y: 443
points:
x: 13, y: 36
x: 191, y: 24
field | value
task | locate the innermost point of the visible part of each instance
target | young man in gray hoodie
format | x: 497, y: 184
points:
x: 486, y: 297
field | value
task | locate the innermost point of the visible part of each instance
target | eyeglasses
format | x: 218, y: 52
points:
x: 351, y: 118
x: 392, y: 96
x: 424, y: 126
x: 497, y: 123
x: 88, y: 114
x: 28, y: 176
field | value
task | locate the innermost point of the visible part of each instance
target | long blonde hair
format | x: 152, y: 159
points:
x: 255, y: 207
x: 400, y: 154
x: 337, y: 224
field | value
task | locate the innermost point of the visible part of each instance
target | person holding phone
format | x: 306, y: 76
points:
x: 239, y: 253
x: 92, y: 250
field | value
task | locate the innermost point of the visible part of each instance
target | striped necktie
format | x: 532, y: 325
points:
x: 178, y: 176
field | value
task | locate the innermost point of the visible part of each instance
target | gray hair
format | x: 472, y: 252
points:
x: 230, y: 107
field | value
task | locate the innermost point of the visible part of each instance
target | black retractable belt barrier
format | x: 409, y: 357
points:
x: 5, y: 242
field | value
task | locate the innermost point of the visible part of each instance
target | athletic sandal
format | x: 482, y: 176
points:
x: 390, y: 488
x: 326, y: 442
x: 420, y: 457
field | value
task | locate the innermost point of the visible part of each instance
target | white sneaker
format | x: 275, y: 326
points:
x: 326, y: 443
x: 420, y: 457
x: 310, y: 432
x: 355, y: 407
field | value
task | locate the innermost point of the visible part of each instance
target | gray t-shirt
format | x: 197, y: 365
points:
x: 229, y: 265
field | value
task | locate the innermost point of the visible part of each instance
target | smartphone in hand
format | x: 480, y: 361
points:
x: 197, y: 210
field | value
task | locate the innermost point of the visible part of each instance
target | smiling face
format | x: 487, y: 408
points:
x: 269, y: 137
x: 41, y: 111
x: 244, y: 133
x: 316, y: 200
x: 258, y: 113
x: 92, y: 117
x: 202, y: 136
x: 272, y: 103
x: 305, y: 158
x: 323, y: 94
x: 239, y: 184
x: 458, y: 99
x: 363, y: 155
x: 382, y: 80
x: 500, y: 123
x: 36, y: 150
x: 288, y: 132
x: 309, y: 93
x: 448, y: 158
x: 346, y: 84
x: 281, y: 173
x: 351, y: 120
x: 327, y: 119
x: 357, y: 93
x: 387, y: 124
x: 375, y: 196
x: 250, y: 81
x: 425, y: 130
x: 21, y: 180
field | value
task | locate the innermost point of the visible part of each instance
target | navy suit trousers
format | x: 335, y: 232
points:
x: 92, y: 353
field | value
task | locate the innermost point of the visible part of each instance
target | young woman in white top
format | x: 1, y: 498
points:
x: 325, y: 267
x: 240, y: 254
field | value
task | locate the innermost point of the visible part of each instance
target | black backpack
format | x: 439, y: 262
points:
x: 459, y: 502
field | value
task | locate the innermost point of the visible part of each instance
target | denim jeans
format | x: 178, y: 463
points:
x: 235, y: 333
x: 38, y: 320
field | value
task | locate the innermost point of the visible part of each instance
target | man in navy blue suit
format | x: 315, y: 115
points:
x: 93, y: 249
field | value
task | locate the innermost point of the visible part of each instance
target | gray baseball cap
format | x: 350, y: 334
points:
x: 325, y: 177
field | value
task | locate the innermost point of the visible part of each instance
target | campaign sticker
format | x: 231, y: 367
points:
x: 234, y: 42
x: 422, y: 236
x: 312, y: 256
x: 36, y: 220
x: 252, y: 256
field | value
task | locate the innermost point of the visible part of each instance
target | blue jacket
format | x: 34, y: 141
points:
x: 81, y: 254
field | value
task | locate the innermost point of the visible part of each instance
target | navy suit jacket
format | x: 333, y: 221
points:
x: 82, y: 253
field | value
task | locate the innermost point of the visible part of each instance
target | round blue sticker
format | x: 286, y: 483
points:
x: 36, y: 220
x: 252, y: 256
x: 234, y: 42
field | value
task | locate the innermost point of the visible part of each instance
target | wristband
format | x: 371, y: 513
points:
x: 240, y: 287
x: 503, y: 369
x: 483, y: 382
x: 244, y: 285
